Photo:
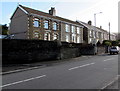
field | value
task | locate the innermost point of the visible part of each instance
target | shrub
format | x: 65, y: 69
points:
x: 107, y: 43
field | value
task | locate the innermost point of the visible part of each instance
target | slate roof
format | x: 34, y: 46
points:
x: 92, y: 27
x: 33, y: 11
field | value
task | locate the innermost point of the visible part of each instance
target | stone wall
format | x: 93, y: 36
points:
x: 29, y: 51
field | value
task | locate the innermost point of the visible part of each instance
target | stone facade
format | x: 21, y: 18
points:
x: 27, y: 23
x: 92, y: 34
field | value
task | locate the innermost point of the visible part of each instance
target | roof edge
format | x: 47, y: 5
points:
x: 19, y: 6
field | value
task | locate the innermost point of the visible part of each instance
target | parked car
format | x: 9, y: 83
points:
x: 114, y: 49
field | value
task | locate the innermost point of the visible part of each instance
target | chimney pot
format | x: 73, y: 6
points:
x: 52, y: 11
x: 90, y: 22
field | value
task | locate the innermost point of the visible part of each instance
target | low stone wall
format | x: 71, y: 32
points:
x: 69, y: 50
x: 28, y: 51
x: 101, y: 49
x: 88, y: 50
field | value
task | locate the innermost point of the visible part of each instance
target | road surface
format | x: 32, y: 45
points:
x: 93, y: 73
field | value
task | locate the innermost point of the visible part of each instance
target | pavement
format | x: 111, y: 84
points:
x: 88, y: 72
x: 114, y: 84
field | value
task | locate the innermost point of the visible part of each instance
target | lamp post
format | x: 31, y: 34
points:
x: 109, y: 31
x: 95, y: 40
x: 95, y: 17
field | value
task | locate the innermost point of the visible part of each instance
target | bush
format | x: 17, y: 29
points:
x: 108, y: 43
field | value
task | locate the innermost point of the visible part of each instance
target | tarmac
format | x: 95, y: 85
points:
x: 12, y: 68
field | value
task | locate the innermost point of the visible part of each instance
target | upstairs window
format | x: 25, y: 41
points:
x: 46, y: 24
x: 67, y: 28
x: 36, y: 22
x: 78, y: 30
x: 73, y: 29
x: 54, y: 25
x: 90, y: 33
x: 94, y: 34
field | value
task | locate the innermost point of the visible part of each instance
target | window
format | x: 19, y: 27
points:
x: 94, y: 34
x: 36, y: 22
x: 54, y: 25
x: 55, y: 36
x: 90, y: 33
x: 73, y: 38
x: 36, y: 34
x: 67, y: 38
x: 101, y: 35
x: 78, y: 39
x: 78, y: 30
x: 73, y: 29
x: 67, y: 28
x: 46, y: 24
x: 90, y: 40
x: 97, y: 34
x: 47, y: 36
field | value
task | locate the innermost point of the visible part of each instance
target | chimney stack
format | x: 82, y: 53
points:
x: 52, y: 11
x: 90, y: 22
x: 100, y: 27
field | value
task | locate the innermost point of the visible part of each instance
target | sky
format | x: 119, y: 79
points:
x: 82, y: 10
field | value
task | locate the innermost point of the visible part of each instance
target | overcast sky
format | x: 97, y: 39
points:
x: 82, y: 10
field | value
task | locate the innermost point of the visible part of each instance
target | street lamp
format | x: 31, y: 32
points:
x: 95, y: 39
x: 95, y: 17
x: 109, y: 31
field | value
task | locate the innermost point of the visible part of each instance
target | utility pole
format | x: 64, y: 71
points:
x: 109, y: 31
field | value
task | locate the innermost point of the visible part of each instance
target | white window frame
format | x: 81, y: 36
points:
x: 47, y: 36
x: 78, y: 30
x: 67, y: 28
x: 36, y: 22
x: 55, y: 36
x: 55, y: 25
x: 73, y: 29
x: 46, y: 24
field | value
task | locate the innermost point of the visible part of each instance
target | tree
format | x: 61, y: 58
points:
x: 4, y: 29
x: 107, y: 43
x: 115, y: 43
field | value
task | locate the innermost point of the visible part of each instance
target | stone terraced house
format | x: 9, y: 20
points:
x: 92, y: 34
x: 28, y: 23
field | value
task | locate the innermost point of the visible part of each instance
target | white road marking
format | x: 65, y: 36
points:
x: 13, y: 71
x: 80, y: 66
x: 115, y: 79
x: 108, y: 59
x: 22, y: 81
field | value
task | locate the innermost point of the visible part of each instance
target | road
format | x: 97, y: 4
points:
x: 93, y: 73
